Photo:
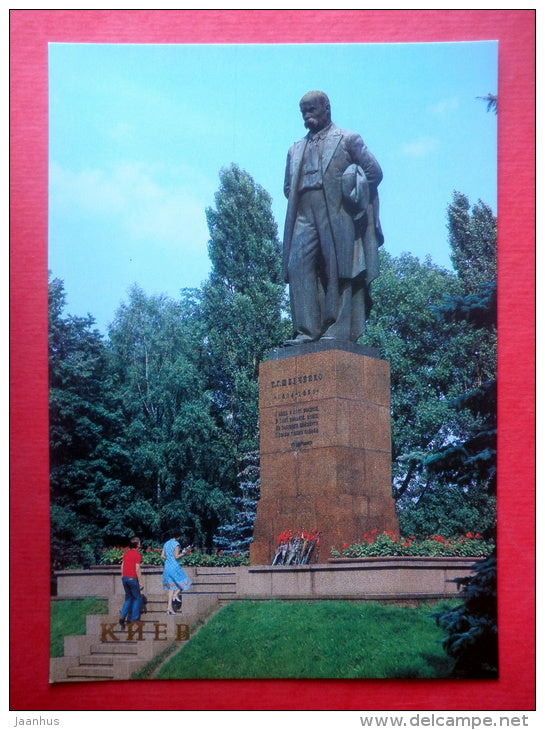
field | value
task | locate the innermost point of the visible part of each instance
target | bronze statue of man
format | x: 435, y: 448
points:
x: 332, y: 231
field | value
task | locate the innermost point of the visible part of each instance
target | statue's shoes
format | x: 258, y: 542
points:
x: 299, y: 340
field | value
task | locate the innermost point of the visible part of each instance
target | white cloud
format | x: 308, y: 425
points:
x: 134, y: 198
x: 420, y: 147
x: 88, y: 191
x: 444, y: 106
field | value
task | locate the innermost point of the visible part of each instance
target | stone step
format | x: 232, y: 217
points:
x: 88, y: 658
x: 214, y: 571
x: 97, y: 659
x: 97, y: 624
x: 125, y: 648
x: 216, y: 587
x: 192, y: 604
x: 90, y: 672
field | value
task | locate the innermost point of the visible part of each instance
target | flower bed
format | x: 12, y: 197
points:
x: 196, y: 558
x: 386, y: 543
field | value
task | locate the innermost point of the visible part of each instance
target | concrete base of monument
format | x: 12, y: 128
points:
x: 325, y: 447
x: 106, y: 651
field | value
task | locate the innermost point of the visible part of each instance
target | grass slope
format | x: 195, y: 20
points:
x: 318, y: 639
x: 68, y: 619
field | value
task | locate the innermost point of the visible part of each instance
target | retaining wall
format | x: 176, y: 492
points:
x: 393, y: 578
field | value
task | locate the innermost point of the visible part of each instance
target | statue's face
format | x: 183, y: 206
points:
x: 315, y: 113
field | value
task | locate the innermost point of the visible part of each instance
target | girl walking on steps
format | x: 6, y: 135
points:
x: 175, y: 580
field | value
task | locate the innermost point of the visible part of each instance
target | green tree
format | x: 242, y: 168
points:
x: 243, y: 301
x: 472, y: 239
x: 236, y: 536
x: 491, y: 102
x: 179, y: 466
x: 472, y: 460
x: 468, y: 463
x: 472, y: 627
x: 429, y: 359
x: 84, y: 422
x: 438, y: 331
x: 243, y: 312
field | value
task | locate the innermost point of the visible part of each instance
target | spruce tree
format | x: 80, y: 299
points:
x: 236, y: 536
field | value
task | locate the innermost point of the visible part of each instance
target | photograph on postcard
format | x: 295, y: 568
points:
x: 272, y: 360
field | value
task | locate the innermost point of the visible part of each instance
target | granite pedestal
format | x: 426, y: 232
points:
x: 325, y: 447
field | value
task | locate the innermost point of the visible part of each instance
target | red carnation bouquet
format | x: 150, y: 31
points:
x: 296, y: 548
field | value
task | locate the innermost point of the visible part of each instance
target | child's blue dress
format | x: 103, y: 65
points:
x: 173, y: 574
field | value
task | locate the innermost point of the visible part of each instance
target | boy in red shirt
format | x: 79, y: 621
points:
x: 131, y: 577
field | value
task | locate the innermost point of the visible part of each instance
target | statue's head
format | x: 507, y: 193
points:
x: 316, y: 110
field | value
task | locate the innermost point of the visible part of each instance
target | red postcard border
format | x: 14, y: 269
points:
x: 30, y: 32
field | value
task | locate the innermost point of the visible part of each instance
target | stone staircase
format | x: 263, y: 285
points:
x: 107, y: 651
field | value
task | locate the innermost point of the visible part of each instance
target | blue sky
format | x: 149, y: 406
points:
x: 138, y: 134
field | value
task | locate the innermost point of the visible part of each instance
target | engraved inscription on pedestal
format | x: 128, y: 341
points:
x: 325, y: 449
x: 297, y: 423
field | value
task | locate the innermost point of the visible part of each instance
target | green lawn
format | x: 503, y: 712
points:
x: 68, y: 619
x: 324, y: 639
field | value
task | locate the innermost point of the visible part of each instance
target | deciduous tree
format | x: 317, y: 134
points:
x: 243, y: 301
x: 179, y: 462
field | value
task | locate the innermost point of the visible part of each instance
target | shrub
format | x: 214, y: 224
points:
x: 387, y: 543
x: 152, y: 556
x: 216, y: 559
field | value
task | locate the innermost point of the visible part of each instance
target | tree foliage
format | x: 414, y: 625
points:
x: 472, y: 627
x: 84, y: 420
x: 437, y: 330
x: 236, y: 536
x: 156, y: 426
x: 472, y: 238
x: 491, y: 102
x: 469, y: 461
x: 179, y: 464
x: 430, y: 359
x: 243, y: 301
x: 150, y: 426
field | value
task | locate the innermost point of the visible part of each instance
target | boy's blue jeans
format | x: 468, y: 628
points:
x: 132, y: 599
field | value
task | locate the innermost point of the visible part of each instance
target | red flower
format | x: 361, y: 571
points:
x: 469, y: 534
x: 345, y: 544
